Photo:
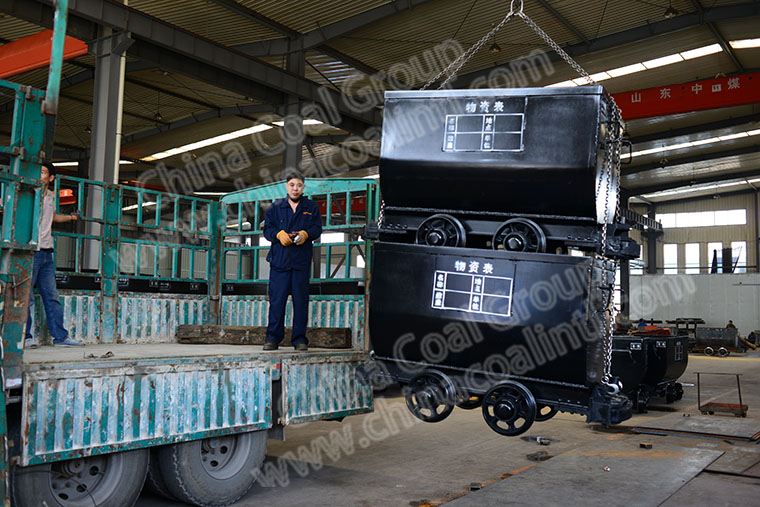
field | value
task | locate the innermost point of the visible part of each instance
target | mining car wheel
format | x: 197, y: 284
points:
x: 545, y: 412
x: 111, y: 480
x: 519, y: 235
x: 431, y: 396
x: 468, y: 401
x: 509, y: 408
x: 441, y: 230
x: 641, y: 400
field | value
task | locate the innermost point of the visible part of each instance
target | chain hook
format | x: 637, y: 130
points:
x: 613, y: 387
x: 520, y: 5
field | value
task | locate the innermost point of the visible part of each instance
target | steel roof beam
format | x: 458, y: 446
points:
x: 246, y: 12
x: 186, y: 53
x: 694, y: 181
x: 640, y: 33
x: 721, y: 40
x: 292, y: 43
x: 301, y: 42
x: 734, y: 152
x: 682, y: 200
x: 563, y: 20
x: 125, y: 113
x: 199, y: 117
x: 696, y: 129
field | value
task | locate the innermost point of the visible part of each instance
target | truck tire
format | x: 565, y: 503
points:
x: 154, y: 481
x: 214, y: 471
x: 105, y: 480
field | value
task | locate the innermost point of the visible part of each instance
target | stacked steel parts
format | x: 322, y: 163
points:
x: 476, y: 298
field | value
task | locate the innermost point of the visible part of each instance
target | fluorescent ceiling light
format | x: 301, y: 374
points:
x: 305, y: 122
x: 703, y: 51
x: 691, y: 144
x: 210, y: 193
x: 706, y: 141
x: 650, y: 64
x: 135, y: 206
x: 599, y: 76
x: 733, y: 136
x: 745, y: 43
x: 373, y: 177
x: 207, y: 142
x: 75, y: 163
x: 628, y: 69
x: 233, y: 225
x: 699, y: 188
x: 665, y: 60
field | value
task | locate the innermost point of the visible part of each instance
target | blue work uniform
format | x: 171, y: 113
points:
x: 290, y: 266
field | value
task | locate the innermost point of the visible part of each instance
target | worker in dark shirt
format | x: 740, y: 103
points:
x: 291, y: 225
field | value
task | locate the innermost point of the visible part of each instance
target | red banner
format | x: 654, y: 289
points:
x: 729, y: 91
x: 358, y: 205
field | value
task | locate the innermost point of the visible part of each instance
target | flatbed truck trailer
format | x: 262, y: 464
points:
x: 86, y: 425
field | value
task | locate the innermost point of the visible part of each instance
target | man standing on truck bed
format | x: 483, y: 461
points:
x: 291, y: 224
x: 43, y: 270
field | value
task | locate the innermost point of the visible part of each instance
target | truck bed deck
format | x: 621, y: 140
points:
x: 96, y: 353
x: 159, y: 393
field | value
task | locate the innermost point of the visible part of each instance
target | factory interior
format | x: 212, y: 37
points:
x: 515, y: 147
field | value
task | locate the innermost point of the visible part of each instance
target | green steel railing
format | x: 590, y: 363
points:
x: 21, y: 198
x: 178, y: 230
x: 243, y: 218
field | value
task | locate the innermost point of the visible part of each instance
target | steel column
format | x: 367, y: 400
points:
x: 293, y: 135
x: 108, y: 106
x: 652, y: 244
x: 757, y: 231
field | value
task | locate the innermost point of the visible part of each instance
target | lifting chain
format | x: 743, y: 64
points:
x: 610, y: 170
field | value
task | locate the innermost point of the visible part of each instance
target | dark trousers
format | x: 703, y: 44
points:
x: 295, y: 283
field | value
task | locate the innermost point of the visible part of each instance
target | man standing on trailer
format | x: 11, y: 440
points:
x: 291, y: 225
x: 43, y: 268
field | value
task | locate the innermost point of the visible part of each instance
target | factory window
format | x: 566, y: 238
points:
x: 668, y: 220
x: 670, y: 259
x: 703, y: 218
x: 731, y: 217
x: 715, y: 256
x: 692, y: 258
x: 739, y: 256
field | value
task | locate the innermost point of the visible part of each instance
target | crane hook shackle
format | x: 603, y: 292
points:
x: 519, y: 4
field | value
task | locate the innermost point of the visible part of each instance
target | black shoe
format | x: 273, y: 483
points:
x: 302, y: 347
x: 270, y: 346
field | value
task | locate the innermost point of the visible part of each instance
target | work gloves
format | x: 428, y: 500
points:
x: 301, y: 237
x: 284, y: 238
x: 298, y: 238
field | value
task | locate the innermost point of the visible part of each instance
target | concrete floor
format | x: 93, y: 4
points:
x: 389, y: 458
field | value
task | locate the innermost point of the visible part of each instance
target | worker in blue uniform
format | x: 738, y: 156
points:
x: 291, y: 225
